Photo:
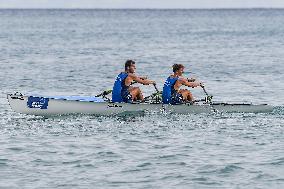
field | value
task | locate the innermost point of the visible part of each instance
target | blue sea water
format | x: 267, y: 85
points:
x: 238, y: 54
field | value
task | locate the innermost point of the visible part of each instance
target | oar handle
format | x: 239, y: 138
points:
x: 155, y: 86
x: 203, y: 87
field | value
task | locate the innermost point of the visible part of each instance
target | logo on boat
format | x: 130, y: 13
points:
x: 37, y: 102
x: 18, y: 97
x: 114, y: 106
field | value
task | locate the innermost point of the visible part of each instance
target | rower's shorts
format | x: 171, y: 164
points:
x: 126, y: 96
x: 176, y: 99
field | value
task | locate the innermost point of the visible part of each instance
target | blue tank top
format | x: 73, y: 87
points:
x: 168, y: 89
x: 119, y: 85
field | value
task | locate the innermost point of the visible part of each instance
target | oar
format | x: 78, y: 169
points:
x: 158, y: 92
x: 105, y: 93
x: 154, y: 94
x: 209, y: 99
x: 154, y: 84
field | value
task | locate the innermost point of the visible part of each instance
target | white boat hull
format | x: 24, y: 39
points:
x: 19, y: 104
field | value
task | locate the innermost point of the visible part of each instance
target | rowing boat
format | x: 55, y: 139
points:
x: 62, y: 105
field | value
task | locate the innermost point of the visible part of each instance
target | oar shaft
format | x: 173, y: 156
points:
x: 104, y: 93
x: 205, y: 90
x: 209, y: 98
x: 156, y: 88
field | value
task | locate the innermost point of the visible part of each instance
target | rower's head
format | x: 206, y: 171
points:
x: 130, y: 66
x: 178, y: 69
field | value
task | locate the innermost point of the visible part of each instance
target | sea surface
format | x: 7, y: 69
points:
x: 238, y: 54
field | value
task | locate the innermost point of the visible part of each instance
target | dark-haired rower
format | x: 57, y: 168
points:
x: 122, y: 91
x: 172, y: 94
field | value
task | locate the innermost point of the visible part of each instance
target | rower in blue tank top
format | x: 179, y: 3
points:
x: 172, y: 94
x: 122, y: 91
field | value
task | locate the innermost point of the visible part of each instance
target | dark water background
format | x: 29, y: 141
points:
x: 239, y: 55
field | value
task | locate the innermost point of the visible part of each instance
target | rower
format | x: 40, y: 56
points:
x: 172, y: 94
x: 122, y: 91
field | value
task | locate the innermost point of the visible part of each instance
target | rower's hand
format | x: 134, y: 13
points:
x: 191, y: 79
x: 153, y: 82
x: 196, y: 84
x: 143, y: 78
x: 149, y: 82
x: 201, y: 84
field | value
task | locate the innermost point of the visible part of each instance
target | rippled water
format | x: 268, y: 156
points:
x: 237, y: 53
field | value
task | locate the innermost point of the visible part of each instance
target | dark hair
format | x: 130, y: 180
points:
x: 176, y: 67
x: 128, y: 63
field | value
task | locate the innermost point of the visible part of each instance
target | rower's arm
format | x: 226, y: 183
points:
x: 143, y: 77
x: 189, y: 84
x: 141, y: 80
x: 191, y: 79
